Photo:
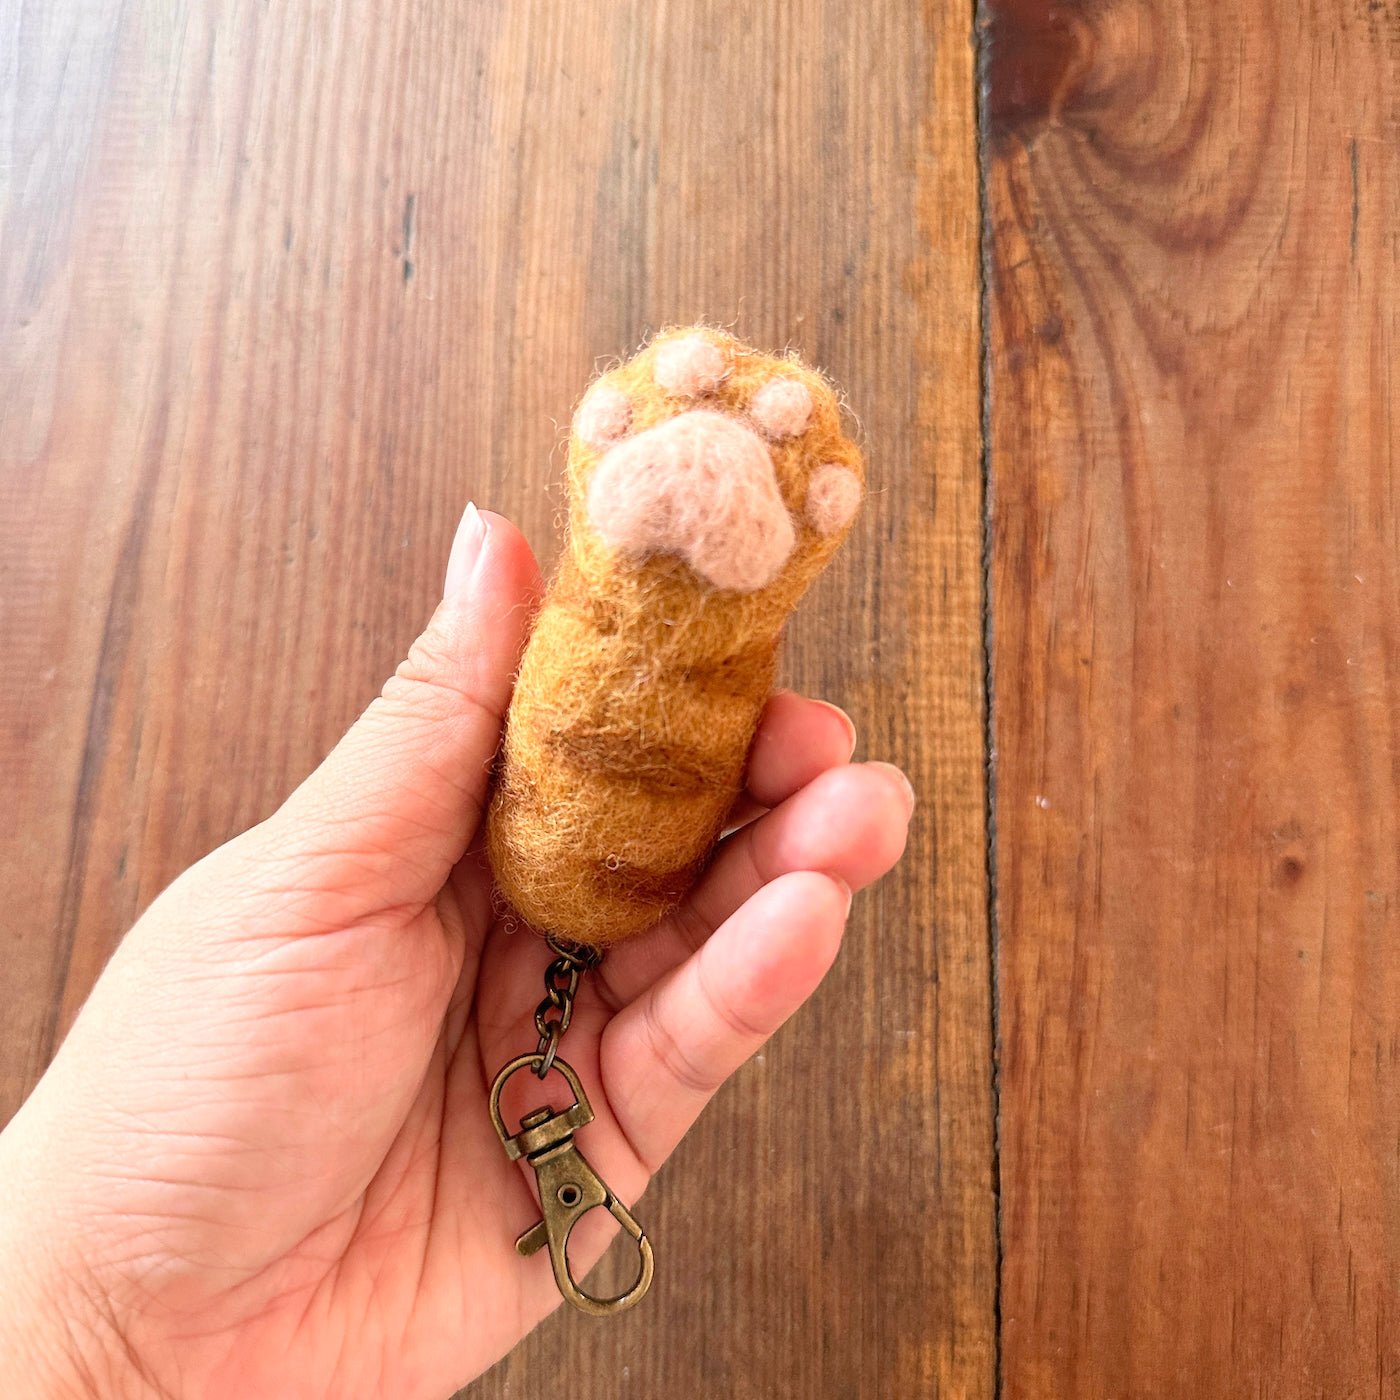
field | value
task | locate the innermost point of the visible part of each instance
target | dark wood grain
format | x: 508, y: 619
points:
x: 281, y: 287
x: 1196, y: 623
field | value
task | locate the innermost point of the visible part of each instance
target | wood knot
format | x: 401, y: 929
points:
x: 1036, y: 61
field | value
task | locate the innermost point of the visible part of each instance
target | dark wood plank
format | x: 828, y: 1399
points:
x: 1193, y: 321
x: 282, y: 287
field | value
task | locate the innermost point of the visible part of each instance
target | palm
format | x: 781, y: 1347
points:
x: 416, y: 1203
x: 391, y: 1272
x: 385, y: 1259
x: 272, y: 1112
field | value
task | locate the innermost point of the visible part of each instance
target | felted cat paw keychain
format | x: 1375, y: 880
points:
x: 708, y: 486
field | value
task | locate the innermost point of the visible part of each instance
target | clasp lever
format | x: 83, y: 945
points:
x: 569, y: 1187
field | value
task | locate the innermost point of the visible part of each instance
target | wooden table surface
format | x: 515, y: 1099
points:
x: 1103, y: 1097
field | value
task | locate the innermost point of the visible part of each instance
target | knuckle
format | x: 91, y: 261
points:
x: 431, y: 683
x: 737, y: 1024
x: 672, y: 1058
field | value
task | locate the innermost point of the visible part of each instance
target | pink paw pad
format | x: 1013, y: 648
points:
x: 701, y: 486
x: 781, y: 408
x: 833, y: 496
x: 603, y: 417
x: 689, y: 366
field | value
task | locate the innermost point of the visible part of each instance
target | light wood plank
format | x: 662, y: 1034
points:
x: 283, y: 287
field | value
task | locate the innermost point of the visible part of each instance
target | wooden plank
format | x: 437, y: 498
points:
x: 283, y: 286
x: 1195, y: 621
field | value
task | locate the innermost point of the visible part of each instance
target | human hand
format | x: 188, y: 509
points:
x: 262, y: 1163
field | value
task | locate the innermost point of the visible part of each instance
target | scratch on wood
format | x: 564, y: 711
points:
x: 410, y: 208
x: 1355, y: 198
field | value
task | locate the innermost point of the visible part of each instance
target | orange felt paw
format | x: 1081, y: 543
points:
x: 702, y: 482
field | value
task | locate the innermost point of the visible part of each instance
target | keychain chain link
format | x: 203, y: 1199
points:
x: 569, y: 1188
x: 561, y: 979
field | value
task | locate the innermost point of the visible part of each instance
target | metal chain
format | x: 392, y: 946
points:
x: 561, y: 979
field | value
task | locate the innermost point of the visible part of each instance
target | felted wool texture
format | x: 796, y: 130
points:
x: 644, y: 678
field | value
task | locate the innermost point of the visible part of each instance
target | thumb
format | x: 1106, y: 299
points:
x: 383, y: 820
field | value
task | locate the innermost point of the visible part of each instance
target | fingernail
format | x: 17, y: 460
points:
x: 466, y: 546
x: 845, y: 889
x: 903, y: 782
x: 845, y: 719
